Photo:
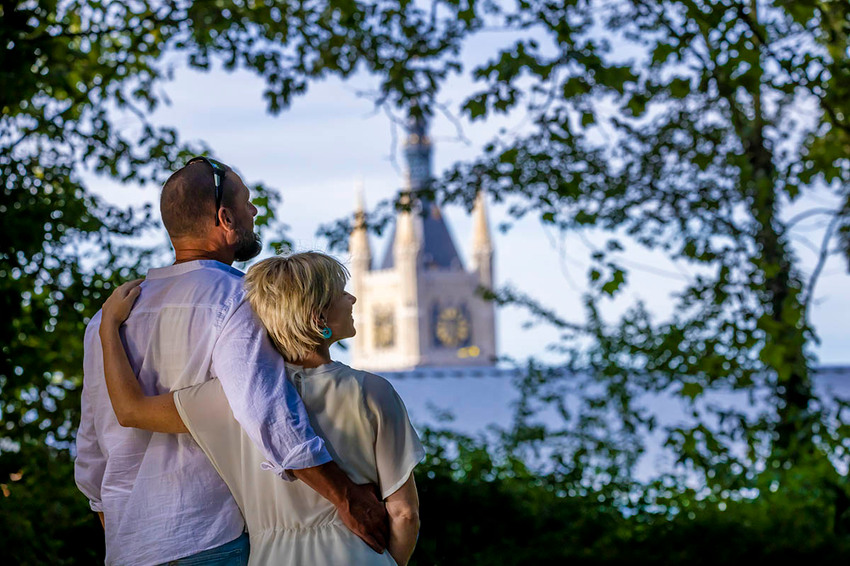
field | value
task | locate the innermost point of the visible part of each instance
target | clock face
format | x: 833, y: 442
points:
x: 452, y: 327
x: 384, y: 328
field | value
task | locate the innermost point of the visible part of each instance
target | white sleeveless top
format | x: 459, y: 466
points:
x: 367, y: 431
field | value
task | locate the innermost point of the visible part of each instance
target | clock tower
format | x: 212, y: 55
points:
x: 418, y: 307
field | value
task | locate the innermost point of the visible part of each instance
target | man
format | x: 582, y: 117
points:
x: 158, y: 496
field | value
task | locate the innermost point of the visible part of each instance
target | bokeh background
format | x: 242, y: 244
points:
x: 668, y: 189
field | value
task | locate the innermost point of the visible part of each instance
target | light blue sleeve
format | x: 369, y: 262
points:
x: 253, y: 376
x: 90, y: 463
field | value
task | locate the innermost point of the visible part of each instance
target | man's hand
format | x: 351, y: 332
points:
x: 359, y: 506
x: 365, y: 515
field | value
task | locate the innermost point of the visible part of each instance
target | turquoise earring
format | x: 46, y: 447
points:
x: 326, y: 332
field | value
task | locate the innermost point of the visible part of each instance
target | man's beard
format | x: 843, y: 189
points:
x: 248, y: 247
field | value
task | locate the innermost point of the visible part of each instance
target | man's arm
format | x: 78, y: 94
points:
x: 253, y: 376
x: 90, y: 464
x: 358, y: 506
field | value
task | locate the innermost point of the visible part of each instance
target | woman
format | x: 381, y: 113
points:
x: 301, y: 301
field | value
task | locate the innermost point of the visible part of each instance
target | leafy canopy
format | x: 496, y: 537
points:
x: 686, y: 127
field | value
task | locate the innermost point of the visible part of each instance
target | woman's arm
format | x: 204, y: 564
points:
x: 403, y: 509
x: 397, y: 451
x: 131, y: 406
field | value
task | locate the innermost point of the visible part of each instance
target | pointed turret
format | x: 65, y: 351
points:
x: 406, y: 250
x: 358, y: 241
x: 361, y: 264
x: 481, y: 239
x: 406, y: 237
x: 482, y: 244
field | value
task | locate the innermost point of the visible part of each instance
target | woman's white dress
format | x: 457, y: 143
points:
x: 366, y: 430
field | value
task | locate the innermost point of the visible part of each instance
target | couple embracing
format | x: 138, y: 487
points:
x: 215, y: 427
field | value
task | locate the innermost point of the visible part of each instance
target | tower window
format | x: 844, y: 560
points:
x: 384, y: 328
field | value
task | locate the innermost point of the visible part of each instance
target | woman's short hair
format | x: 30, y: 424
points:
x: 289, y: 293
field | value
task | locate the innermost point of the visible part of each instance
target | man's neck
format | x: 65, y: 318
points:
x: 182, y: 255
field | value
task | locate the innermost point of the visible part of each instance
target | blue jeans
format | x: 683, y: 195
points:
x: 234, y: 553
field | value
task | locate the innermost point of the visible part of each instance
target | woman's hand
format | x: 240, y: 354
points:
x: 117, y: 307
x: 132, y: 407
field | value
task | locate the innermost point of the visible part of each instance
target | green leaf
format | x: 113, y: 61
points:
x: 680, y: 88
x: 637, y: 105
x: 691, y: 390
x: 618, y: 277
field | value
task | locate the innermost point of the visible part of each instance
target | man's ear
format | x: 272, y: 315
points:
x: 225, y: 217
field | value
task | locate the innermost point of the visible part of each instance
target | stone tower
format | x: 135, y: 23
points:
x: 418, y: 307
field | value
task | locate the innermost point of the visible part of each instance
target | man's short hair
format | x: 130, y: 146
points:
x: 288, y: 293
x: 187, y: 202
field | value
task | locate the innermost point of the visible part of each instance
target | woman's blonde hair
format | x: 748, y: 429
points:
x: 289, y: 293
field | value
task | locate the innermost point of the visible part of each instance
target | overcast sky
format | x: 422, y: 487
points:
x: 316, y: 152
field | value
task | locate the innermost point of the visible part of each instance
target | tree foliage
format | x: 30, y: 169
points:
x: 689, y: 129
x: 686, y: 127
x: 481, y: 509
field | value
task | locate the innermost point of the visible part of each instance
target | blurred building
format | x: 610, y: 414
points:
x: 418, y: 306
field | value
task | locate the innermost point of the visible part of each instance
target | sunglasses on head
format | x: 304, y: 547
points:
x: 219, y: 169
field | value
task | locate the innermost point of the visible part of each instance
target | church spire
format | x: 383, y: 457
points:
x: 417, y: 150
x: 424, y: 227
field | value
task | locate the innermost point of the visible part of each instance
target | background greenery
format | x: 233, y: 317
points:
x: 689, y: 128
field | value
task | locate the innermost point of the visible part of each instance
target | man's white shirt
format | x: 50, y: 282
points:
x: 161, y: 498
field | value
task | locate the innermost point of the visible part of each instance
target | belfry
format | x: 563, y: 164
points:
x: 418, y: 307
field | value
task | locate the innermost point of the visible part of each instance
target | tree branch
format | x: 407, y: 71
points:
x: 807, y: 214
x: 824, y: 255
x: 454, y: 120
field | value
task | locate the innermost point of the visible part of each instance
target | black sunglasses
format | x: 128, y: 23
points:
x: 219, y: 169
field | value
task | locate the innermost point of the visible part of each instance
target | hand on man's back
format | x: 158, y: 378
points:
x: 359, y: 506
x: 365, y: 514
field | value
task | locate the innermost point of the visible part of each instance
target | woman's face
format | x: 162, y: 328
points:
x: 338, y: 317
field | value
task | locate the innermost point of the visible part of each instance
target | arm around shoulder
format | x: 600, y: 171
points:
x: 132, y: 407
